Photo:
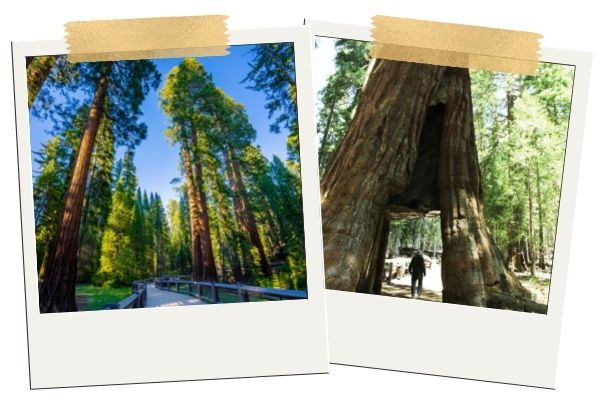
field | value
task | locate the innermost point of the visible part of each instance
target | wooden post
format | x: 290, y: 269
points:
x: 243, y: 294
x: 214, y: 293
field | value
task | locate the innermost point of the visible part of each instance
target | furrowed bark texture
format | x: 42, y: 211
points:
x: 473, y: 271
x: 413, y: 113
x: 373, y: 162
x: 209, y: 269
x: 194, y: 211
x: 57, y: 293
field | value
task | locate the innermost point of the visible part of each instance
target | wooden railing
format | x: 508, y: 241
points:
x: 213, y: 292
x: 137, y: 299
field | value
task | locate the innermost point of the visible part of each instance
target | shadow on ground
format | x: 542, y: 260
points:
x: 398, y: 290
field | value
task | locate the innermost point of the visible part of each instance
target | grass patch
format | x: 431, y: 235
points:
x: 96, y: 297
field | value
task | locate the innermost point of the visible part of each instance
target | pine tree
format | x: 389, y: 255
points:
x: 118, y: 261
x: 97, y: 203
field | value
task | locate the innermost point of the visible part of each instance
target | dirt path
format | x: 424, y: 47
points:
x: 432, y: 285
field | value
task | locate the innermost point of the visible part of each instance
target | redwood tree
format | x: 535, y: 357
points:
x: 187, y: 99
x: 121, y: 87
x: 473, y: 270
x: 373, y: 162
x: 411, y: 119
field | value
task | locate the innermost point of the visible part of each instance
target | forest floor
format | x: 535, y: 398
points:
x: 91, y: 298
x: 163, y: 298
x: 538, y: 285
x: 400, y: 286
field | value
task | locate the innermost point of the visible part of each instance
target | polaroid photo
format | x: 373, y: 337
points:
x: 447, y: 199
x: 170, y: 214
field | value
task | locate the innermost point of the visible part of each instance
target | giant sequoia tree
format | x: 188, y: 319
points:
x: 118, y: 87
x: 411, y: 148
x: 187, y: 98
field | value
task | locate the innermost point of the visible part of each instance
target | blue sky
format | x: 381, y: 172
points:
x: 156, y: 160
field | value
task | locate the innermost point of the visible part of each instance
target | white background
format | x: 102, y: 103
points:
x: 569, y: 25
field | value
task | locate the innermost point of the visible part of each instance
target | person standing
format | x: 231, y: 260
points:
x: 416, y: 268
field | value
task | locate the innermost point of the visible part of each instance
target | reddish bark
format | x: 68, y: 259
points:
x: 209, y: 269
x: 193, y: 210
x: 243, y: 212
x: 57, y: 293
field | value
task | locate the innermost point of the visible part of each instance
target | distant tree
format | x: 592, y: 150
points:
x: 118, y: 260
x: 97, y: 203
x: 340, y: 95
x: 187, y: 99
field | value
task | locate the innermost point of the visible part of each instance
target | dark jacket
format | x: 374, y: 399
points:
x: 417, y: 266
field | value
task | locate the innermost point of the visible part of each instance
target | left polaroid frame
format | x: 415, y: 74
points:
x: 178, y: 343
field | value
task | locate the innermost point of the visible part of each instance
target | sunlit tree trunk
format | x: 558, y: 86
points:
x: 531, y: 254
x: 541, y: 247
x: 325, y: 140
x: 209, y: 270
x: 252, y: 229
x: 57, y: 292
x: 473, y: 271
x: 196, y: 248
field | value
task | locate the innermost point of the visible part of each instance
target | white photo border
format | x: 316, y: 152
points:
x: 454, y: 340
x: 179, y: 343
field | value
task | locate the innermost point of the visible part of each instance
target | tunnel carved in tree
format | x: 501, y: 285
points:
x: 410, y: 150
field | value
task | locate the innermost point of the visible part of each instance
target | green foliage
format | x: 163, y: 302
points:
x: 415, y: 233
x: 340, y: 95
x: 273, y: 72
x: 126, y: 233
x: 56, y: 160
x: 97, y: 205
x: 118, y: 252
x: 96, y: 298
x: 521, y: 125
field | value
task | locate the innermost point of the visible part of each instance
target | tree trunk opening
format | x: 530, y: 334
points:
x: 410, y: 149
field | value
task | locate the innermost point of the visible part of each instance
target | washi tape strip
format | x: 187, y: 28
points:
x: 455, y: 45
x: 143, y: 38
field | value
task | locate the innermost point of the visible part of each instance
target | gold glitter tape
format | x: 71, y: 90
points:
x: 455, y: 45
x: 134, y: 39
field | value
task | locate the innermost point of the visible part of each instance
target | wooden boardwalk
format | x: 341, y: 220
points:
x: 163, y: 298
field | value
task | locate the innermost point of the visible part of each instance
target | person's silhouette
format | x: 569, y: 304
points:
x: 416, y: 268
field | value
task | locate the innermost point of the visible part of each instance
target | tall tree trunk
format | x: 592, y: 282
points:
x: 228, y: 252
x: 373, y: 162
x: 541, y: 247
x: 57, y: 292
x: 37, y: 72
x: 372, y: 277
x: 209, y: 270
x: 473, y: 272
x: 196, y: 249
x: 531, y: 254
x: 239, y: 214
x: 325, y: 139
x: 250, y: 220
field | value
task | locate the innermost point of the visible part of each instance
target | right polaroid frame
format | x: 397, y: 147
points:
x: 454, y: 340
